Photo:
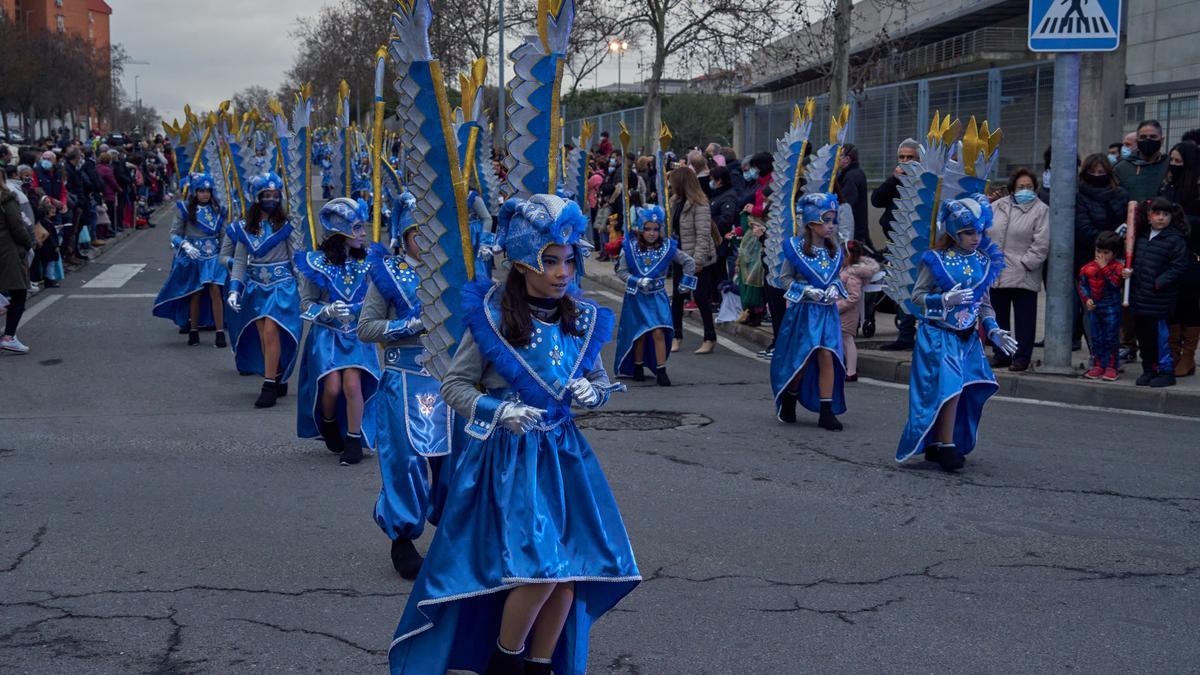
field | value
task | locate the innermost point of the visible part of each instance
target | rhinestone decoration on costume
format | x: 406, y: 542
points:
x: 209, y: 246
x: 551, y: 357
x: 269, y: 274
x: 819, y: 269
x: 208, y: 219
x: 970, y: 271
x: 405, y: 279
x: 266, y: 239
x: 348, y: 279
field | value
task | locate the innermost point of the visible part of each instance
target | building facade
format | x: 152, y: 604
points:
x: 88, y: 19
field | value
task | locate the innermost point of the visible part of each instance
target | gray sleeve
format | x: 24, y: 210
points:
x: 296, y: 245
x: 623, y: 272
x: 373, y: 319
x: 688, y: 262
x: 481, y: 210
x: 986, y: 311
x: 178, y: 227
x: 597, y: 374
x: 240, y: 254
x: 228, y: 248
x: 460, y: 386
x: 925, y: 286
x: 787, y: 274
x: 310, y: 294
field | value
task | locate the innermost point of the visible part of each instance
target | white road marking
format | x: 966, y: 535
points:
x: 725, y: 344
x: 92, y: 296
x: 115, y: 276
x: 39, y: 308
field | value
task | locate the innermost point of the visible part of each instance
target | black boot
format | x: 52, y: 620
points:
x: 537, y: 668
x: 787, y: 408
x: 193, y: 338
x: 663, y: 380
x: 949, y: 458
x: 332, y: 435
x: 506, y: 663
x: 639, y: 372
x: 406, y: 559
x: 280, y: 386
x: 828, y: 420
x: 183, y: 330
x: 933, y: 452
x: 351, y: 450
x: 220, y: 341
x: 266, y: 397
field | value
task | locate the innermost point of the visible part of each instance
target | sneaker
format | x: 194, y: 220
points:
x: 767, y: 354
x: 1163, y: 379
x: 10, y: 343
x: 1110, y: 375
x: 690, y: 306
x: 1144, y: 379
x: 1095, y: 373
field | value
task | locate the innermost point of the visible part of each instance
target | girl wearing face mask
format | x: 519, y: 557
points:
x: 1021, y: 228
x: 1182, y: 186
x: 646, y: 313
x: 265, y: 324
x: 193, y: 293
x: 807, y: 365
x: 338, y: 372
x: 530, y: 550
x: 950, y: 380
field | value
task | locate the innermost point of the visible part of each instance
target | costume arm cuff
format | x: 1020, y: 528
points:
x: 236, y: 286
x: 313, y: 310
x: 485, y: 414
x: 631, y: 285
x: 934, y: 309
x: 398, y: 328
x: 176, y: 241
x: 989, y: 325
x: 688, y: 282
x: 795, y: 291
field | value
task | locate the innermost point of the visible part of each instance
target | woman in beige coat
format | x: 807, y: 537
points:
x: 1022, y: 230
x: 691, y: 222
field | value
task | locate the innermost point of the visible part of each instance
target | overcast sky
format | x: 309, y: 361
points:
x: 202, y: 52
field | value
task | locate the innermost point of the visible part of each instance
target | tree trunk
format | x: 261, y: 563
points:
x: 652, y: 118
x: 839, y: 77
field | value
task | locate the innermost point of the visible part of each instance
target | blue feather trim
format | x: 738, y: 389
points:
x: 996, y: 256
x: 378, y: 257
x: 304, y: 266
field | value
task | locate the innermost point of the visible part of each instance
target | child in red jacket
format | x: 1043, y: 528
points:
x: 1100, y: 290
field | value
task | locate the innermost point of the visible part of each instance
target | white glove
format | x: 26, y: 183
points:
x: 583, y: 391
x: 393, y: 244
x: 519, y: 418
x: 234, y: 301
x: 1004, y: 340
x: 190, y: 250
x: 832, y: 294
x: 645, y: 283
x: 813, y: 294
x: 1121, y: 229
x: 957, y: 296
x: 335, y: 310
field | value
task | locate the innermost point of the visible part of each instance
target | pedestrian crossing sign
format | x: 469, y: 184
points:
x: 1074, y: 25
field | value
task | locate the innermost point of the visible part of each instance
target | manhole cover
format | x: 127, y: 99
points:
x: 646, y: 420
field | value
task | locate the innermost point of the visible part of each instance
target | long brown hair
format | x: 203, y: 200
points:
x: 810, y: 239
x: 1092, y: 161
x: 516, y: 318
x: 255, y: 215
x: 685, y: 187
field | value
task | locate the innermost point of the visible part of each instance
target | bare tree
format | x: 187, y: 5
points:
x: 255, y: 97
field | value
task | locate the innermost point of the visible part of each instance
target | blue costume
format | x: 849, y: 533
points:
x: 523, y: 508
x: 331, y: 297
x: 196, y: 263
x: 264, y: 280
x: 646, y: 307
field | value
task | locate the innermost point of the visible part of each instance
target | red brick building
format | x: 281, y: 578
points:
x: 85, y: 18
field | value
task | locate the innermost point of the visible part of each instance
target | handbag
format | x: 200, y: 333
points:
x: 40, y: 233
x: 85, y: 236
x: 102, y: 215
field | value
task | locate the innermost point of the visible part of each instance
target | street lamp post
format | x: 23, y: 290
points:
x: 501, y: 113
x: 137, y: 104
x: 620, y: 47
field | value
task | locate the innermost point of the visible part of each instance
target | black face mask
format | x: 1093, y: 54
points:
x: 269, y: 205
x: 1096, y: 181
x: 1149, y: 149
x: 1176, y: 171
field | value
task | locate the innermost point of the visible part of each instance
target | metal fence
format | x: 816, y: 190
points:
x: 634, y: 119
x: 1178, y: 112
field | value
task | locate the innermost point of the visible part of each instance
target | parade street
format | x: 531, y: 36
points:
x: 154, y: 521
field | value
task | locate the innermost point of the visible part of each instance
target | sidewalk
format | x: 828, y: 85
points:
x: 1182, y: 399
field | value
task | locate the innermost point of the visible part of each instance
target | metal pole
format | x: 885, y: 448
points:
x: 500, y: 114
x: 1060, y: 300
x: 620, y: 53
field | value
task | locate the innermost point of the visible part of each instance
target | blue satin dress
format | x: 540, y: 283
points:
x: 647, y: 310
x: 263, y: 273
x: 333, y: 344
x: 189, y: 276
x: 534, y: 508
x: 809, y: 326
x: 949, y: 358
x: 413, y: 425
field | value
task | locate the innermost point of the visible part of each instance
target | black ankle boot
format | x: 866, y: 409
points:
x: 193, y: 338
x: 949, y: 458
x: 351, y: 451
x: 536, y: 668
x: 639, y: 372
x: 933, y: 452
x: 406, y: 559
x: 280, y: 386
x: 828, y: 420
x: 183, y: 330
x: 220, y: 341
x: 266, y: 397
x: 332, y: 434
x: 787, y: 408
x: 504, y: 663
x: 663, y: 380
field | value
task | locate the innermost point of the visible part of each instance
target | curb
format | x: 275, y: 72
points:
x: 1073, y: 390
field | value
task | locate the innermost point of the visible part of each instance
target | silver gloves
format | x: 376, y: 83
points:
x: 335, y: 310
x: 957, y: 296
x: 234, y: 301
x: 584, y: 392
x: 1004, y: 340
x: 189, y: 249
x: 519, y: 418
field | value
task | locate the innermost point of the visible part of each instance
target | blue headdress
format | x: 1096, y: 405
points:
x: 262, y: 183
x: 200, y: 181
x: 812, y: 206
x: 341, y: 215
x: 973, y: 212
x: 402, y: 215
x: 649, y: 214
x: 528, y: 226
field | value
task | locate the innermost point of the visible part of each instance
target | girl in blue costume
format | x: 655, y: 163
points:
x: 950, y: 378
x: 531, y: 549
x: 338, y: 372
x: 191, y: 297
x: 412, y: 422
x: 646, y: 310
x: 262, y: 292
x: 807, y: 364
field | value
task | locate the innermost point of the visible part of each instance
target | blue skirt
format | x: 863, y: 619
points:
x: 807, y: 327
x: 944, y: 366
x: 187, y: 277
x: 640, y: 314
x: 413, y: 427
x: 279, y: 303
x: 326, y: 351
x: 523, y: 509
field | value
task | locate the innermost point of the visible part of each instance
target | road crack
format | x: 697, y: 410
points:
x: 306, y: 631
x: 843, y: 615
x: 33, y: 546
x: 1105, y: 575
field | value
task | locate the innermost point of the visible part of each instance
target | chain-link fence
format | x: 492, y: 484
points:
x: 634, y: 119
x: 1177, y: 112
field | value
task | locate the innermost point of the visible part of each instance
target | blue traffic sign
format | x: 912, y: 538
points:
x: 1074, y: 25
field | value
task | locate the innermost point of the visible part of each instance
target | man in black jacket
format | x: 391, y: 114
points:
x: 884, y: 197
x: 726, y: 211
x: 852, y: 189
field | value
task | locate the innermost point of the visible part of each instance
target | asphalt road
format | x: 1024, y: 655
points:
x: 151, y: 520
